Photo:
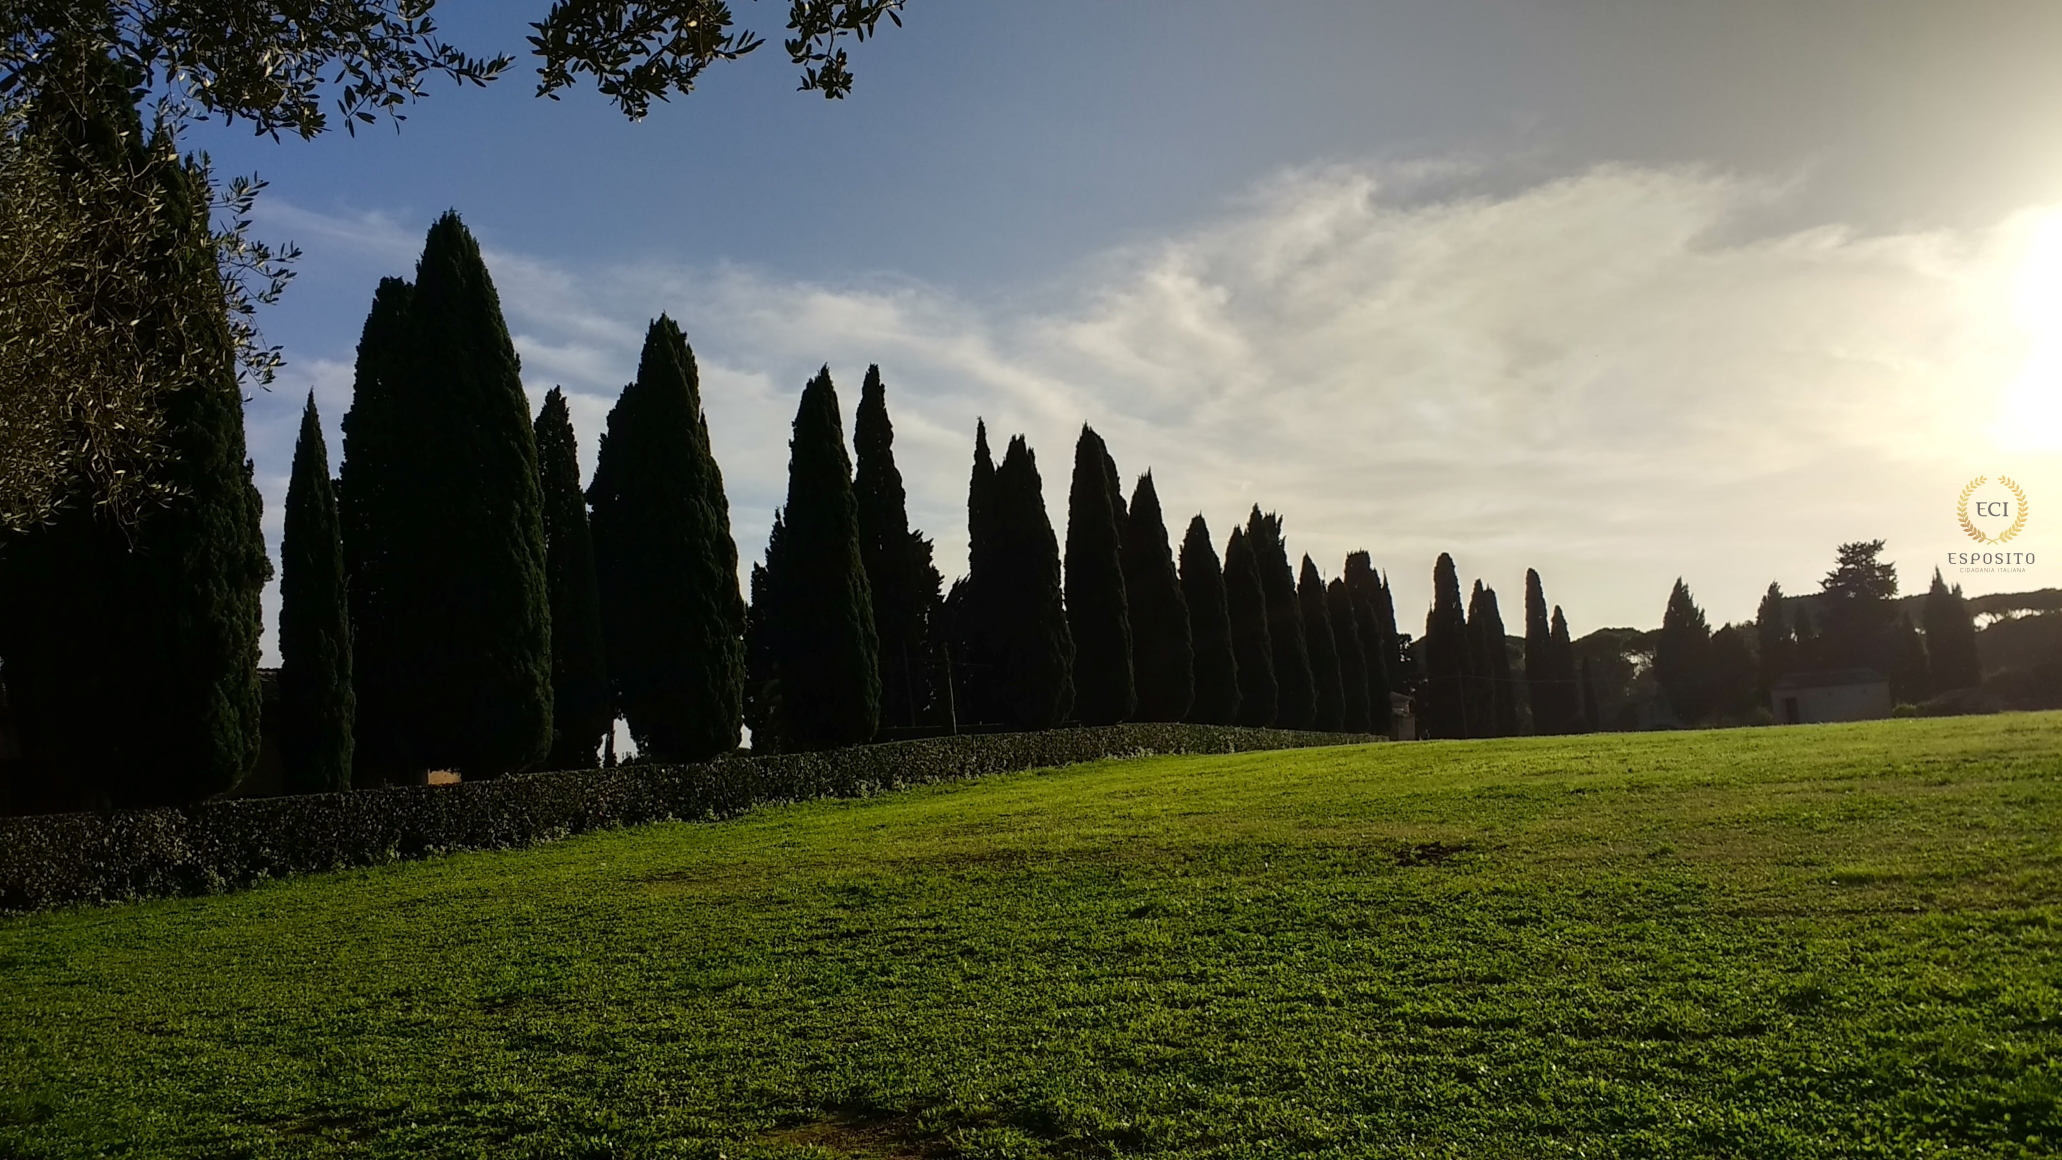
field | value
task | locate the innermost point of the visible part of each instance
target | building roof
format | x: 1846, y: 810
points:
x: 1831, y: 678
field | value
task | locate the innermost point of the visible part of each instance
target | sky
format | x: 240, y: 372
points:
x: 1620, y: 291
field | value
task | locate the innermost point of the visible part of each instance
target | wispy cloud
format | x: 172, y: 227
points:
x: 1593, y: 375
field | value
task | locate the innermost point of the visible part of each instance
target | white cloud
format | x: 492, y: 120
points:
x: 1590, y: 376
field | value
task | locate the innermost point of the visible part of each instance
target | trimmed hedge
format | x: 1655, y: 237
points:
x: 62, y: 859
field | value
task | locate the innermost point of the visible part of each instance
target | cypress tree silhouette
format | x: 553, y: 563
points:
x: 1252, y: 650
x: 460, y: 631
x: 1353, y: 667
x: 1210, y: 630
x: 1369, y: 599
x: 373, y: 498
x: 581, y: 712
x: 762, y: 663
x: 1037, y: 653
x: 1162, y: 650
x: 1541, y: 691
x: 1322, y: 648
x: 1561, y: 661
x: 1098, y: 613
x: 1498, y: 693
x: 899, y: 570
x: 316, y: 701
x: 971, y: 607
x: 671, y: 611
x: 1682, y: 656
x: 1296, y: 687
x: 1952, y: 659
x: 1446, y: 656
x: 1400, y: 672
x: 824, y: 642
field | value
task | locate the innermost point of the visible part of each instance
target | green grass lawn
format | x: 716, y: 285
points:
x: 1802, y: 942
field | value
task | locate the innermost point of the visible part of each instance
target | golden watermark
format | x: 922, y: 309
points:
x: 1997, y: 509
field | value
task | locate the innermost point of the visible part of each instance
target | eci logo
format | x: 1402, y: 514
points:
x: 1992, y: 512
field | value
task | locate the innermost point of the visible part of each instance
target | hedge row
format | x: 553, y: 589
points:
x: 60, y: 859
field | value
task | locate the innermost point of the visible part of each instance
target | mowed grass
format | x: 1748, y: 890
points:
x: 1802, y: 942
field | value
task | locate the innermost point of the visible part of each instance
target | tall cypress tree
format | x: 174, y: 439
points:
x: 1252, y: 650
x: 1162, y: 649
x: 762, y: 659
x: 581, y: 712
x: 1210, y: 630
x: 1296, y: 687
x: 671, y: 611
x: 316, y: 702
x: 1355, y: 715
x: 373, y: 506
x: 135, y: 682
x: 1952, y: 659
x: 1098, y: 613
x: 1541, y: 692
x: 899, y: 570
x: 1037, y: 650
x: 1322, y: 647
x: 824, y: 639
x: 1498, y: 693
x: 1374, y: 622
x: 1561, y: 671
x: 977, y: 661
x: 1682, y: 656
x: 1446, y: 655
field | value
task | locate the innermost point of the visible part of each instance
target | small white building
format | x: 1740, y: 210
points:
x: 1830, y: 695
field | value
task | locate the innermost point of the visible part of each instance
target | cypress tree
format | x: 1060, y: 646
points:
x: 1682, y: 656
x: 1355, y: 716
x: 1446, y: 655
x: 899, y: 570
x: 135, y: 682
x: 824, y: 641
x: 1374, y: 621
x: 1500, y: 692
x: 1544, y: 696
x: 1210, y: 629
x: 581, y: 713
x: 372, y: 504
x: 1037, y: 650
x: 762, y: 663
x: 1561, y: 672
x: 316, y: 702
x: 971, y: 607
x: 460, y: 637
x: 672, y: 615
x: 1252, y: 651
x: 1297, y: 688
x: 1162, y: 650
x: 1098, y: 613
x: 1951, y: 656
x: 1321, y: 646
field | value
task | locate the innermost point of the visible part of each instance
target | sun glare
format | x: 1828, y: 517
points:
x: 2031, y: 409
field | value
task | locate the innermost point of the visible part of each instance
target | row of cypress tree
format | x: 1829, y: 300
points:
x: 1467, y: 687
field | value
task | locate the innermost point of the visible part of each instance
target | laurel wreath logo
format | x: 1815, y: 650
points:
x: 1975, y: 533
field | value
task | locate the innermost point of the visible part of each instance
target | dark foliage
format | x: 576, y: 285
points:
x: 671, y: 611
x: 1098, y: 612
x: 1374, y: 623
x: 824, y: 645
x: 373, y: 503
x: 1497, y: 692
x: 1682, y: 657
x: 135, y: 679
x: 1252, y: 651
x: 762, y: 711
x: 1591, y: 720
x: 971, y: 608
x: 316, y: 701
x: 1443, y: 698
x: 1561, y: 659
x: 1320, y: 644
x: 1296, y: 688
x: 1353, y: 667
x: 582, y: 714
x: 1162, y: 649
x: 1776, y: 649
x: 1909, y: 680
x: 1210, y: 628
x: 899, y: 571
x: 1952, y: 659
x: 1036, y: 654
x: 1548, y: 699
x: 1857, y: 616
x: 1733, y: 674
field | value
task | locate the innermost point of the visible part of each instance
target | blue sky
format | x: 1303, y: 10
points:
x: 1616, y: 290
